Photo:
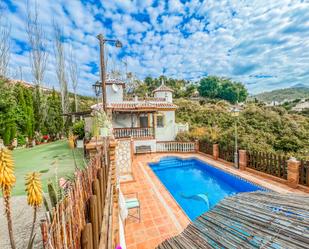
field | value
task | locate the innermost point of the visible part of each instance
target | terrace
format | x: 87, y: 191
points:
x: 162, y: 217
x: 94, y: 210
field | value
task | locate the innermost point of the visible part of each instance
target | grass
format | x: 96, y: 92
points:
x: 50, y: 159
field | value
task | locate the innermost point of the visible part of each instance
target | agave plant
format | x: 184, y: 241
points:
x: 34, y: 199
x: 7, y: 181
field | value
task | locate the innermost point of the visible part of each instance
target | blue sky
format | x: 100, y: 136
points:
x: 262, y: 43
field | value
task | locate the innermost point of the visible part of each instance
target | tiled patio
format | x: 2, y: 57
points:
x: 161, y: 217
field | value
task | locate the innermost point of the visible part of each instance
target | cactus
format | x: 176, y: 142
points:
x: 52, y: 194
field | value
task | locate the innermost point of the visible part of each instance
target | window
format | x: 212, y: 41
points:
x: 143, y: 120
x: 160, y: 120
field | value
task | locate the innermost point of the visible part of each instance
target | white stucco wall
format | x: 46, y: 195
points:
x: 112, y: 96
x: 167, y: 133
x: 150, y: 142
x: 167, y: 95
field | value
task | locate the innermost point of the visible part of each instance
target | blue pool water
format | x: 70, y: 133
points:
x: 196, y: 185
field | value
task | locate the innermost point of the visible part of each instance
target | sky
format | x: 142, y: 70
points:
x: 262, y: 43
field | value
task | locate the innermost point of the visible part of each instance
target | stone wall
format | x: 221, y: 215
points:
x: 123, y: 157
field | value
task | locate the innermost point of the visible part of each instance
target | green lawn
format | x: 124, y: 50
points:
x: 49, y: 159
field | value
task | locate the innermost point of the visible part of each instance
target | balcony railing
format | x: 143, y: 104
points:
x: 133, y: 132
x: 176, y: 146
x: 144, y: 99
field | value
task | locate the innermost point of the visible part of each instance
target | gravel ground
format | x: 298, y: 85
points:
x: 22, y: 216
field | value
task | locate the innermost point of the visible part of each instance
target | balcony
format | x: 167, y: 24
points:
x: 133, y: 132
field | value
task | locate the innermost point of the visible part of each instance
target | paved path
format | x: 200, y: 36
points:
x: 22, y: 220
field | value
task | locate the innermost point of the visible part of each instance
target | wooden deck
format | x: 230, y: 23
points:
x: 249, y: 220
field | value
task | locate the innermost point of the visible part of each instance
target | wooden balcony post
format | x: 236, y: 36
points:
x: 293, y: 172
x: 154, y: 124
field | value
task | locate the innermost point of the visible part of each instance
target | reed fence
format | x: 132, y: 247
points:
x: 84, y: 217
x: 304, y: 173
x: 205, y: 147
x: 268, y: 163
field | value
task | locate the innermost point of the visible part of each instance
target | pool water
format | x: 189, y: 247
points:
x: 196, y: 185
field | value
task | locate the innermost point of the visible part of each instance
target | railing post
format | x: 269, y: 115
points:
x: 215, y: 151
x: 197, y: 145
x: 293, y: 172
x: 243, y: 159
x: 132, y: 149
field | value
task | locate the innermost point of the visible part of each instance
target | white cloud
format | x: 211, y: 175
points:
x: 238, y: 39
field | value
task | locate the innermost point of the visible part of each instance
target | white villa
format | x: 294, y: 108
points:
x: 147, y: 121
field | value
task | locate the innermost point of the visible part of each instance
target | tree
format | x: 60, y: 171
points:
x: 38, y: 61
x: 209, y: 87
x: 214, y: 87
x: 74, y: 75
x: 60, y: 67
x: 7, y: 111
x: 5, y: 32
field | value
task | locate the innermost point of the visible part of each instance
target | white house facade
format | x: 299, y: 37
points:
x: 147, y: 120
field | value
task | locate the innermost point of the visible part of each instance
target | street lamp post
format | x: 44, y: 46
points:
x: 102, y: 41
x: 235, y: 113
x: 97, y: 90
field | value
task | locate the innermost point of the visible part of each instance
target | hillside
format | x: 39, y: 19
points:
x: 259, y: 128
x: 296, y: 92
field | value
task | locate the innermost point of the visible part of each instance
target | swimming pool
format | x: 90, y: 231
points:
x: 196, y: 185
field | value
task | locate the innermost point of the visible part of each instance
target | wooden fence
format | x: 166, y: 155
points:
x: 84, y: 218
x: 227, y: 153
x: 206, y: 148
x: 268, y: 163
x: 304, y: 173
x: 176, y: 146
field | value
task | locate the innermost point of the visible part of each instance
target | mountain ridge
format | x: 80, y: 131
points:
x: 298, y: 91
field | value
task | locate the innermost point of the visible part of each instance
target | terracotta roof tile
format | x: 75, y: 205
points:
x: 141, y: 105
x: 163, y: 88
x: 114, y: 81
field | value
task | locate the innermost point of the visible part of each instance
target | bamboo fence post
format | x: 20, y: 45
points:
x: 44, y: 233
x: 94, y: 221
x: 86, y: 242
x: 97, y: 193
x: 101, y: 184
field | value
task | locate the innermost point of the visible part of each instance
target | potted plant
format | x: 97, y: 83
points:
x: 45, y: 138
x: 103, y: 123
x: 79, y: 131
